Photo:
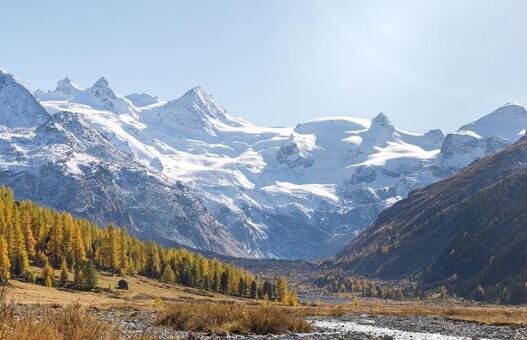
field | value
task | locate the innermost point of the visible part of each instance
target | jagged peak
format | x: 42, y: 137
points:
x: 198, y: 89
x: 101, y: 82
x: 18, y: 106
x: 197, y: 93
x: 436, y: 133
x: 66, y: 85
x: 102, y: 88
x: 6, y: 75
x: 66, y: 81
x: 381, y: 121
x: 200, y: 99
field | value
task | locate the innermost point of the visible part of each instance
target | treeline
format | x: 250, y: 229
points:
x: 512, y: 291
x: 361, y: 286
x: 49, y: 239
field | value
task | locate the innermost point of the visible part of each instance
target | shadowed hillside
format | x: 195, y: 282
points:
x: 467, y: 232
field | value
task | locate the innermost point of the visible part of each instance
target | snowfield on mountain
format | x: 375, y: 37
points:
x: 186, y: 171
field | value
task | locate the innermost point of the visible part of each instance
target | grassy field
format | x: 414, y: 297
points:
x: 149, y: 294
x: 143, y: 292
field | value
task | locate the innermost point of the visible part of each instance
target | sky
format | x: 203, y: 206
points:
x: 426, y: 64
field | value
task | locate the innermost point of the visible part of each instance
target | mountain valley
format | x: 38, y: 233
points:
x: 187, y: 172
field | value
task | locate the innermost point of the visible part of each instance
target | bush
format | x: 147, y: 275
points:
x: 122, y: 284
x: 70, y: 323
x: 30, y: 276
x: 231, y: 318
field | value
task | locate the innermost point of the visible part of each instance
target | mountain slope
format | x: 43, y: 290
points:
x: 68, y: 165
x: 465, y: 231
x: 293, y: 192
x: 18, y: 107
x: 65, y: 163
x: 263, y: 182
x: 503, y: 123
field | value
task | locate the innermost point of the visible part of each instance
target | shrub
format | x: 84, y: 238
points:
x: 30, y: 276
x: 231, y: 318
x: 47, y: 275
x: 122, y: 284
x: 70, y: 323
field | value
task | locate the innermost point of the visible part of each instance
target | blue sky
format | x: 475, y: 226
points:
x: 426, y: 64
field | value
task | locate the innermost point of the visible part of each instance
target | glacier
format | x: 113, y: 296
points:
x: 295, y: 192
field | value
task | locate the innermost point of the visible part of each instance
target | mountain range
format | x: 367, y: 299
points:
x: 187, y: 172
x: 466, y: 232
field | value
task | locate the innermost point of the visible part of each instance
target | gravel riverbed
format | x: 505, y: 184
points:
x: 135, y: 323
x: 345, y: 327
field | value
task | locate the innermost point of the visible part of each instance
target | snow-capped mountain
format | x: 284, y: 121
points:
x: 485, y: 136
x: 508, y: 123
x: 18, y: 107
x: 294, y: 192
x: 99, y: 96
x: 63, y: 162
x: 142, y: 99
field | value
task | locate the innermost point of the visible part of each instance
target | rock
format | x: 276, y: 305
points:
x: 122, y: 284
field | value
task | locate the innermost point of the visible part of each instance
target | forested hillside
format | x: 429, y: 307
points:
x: 31, y: 234
x: 467, y: 233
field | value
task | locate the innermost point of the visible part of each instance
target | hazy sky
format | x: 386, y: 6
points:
x: 426, y: 64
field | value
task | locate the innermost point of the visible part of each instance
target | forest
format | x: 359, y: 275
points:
x: 34, y: 235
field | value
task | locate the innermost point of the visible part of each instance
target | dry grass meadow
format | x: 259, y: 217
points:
x: 66, y: 313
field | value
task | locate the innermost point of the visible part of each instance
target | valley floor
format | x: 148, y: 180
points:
x: 134, y: 312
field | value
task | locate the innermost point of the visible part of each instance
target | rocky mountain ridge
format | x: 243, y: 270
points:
x: 295, y: 192
x: 466, y: 232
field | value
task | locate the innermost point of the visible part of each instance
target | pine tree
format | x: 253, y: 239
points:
x: 77, y: 276
x: 168, y: 275
x: 214, y: 282
x: 253, y: 290
x: 54, y: 248
x: 77, y: 247
x: 48, y: 275
x: 224, y: 282
x: 153, y: 262
x: 19, y: 259
x: 107, y: 253
x: 5, y: 264
x: 242, y: 287
x: 63, y: 279
x: 113, y: 247
x: 281, y: 289
x: 28, y: 232
x: 89, y: 275
x: 267, y: 290
x: 9, y: 227
x: 123, y: 255
x: 293, y: 299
